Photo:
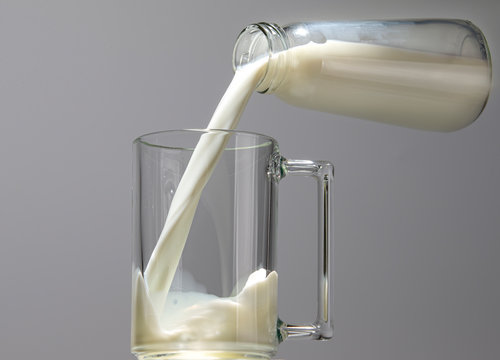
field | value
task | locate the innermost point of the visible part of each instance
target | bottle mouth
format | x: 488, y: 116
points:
x: 262, y: 42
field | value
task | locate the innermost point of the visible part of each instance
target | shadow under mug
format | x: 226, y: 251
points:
x: 222, y: 301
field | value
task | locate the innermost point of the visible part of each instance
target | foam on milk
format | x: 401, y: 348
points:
x: 428, y: 91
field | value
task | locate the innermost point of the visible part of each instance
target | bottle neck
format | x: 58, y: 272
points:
x: 263, y: 42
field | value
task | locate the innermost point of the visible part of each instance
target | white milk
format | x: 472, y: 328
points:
x: 368, y: 81
x: 206, y: 322
x: 385, y: 84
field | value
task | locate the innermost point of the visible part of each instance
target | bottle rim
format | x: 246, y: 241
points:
x: 262, y: 41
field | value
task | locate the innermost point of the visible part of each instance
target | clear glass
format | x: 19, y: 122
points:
x: 430, y: 74
x: 222, y: 303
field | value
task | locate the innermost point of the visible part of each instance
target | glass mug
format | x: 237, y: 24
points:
x: 222, y: 301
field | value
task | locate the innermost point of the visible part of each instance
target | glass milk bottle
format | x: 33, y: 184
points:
x: 424, y: 74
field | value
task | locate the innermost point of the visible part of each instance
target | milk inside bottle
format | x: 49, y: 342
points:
x: 425, y: 74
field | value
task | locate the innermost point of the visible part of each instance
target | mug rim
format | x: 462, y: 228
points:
x: 142, y: 139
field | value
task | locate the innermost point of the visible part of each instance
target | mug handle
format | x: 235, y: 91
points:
x: 322, y: 171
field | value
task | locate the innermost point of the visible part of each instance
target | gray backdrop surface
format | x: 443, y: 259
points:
x: 417, y: 214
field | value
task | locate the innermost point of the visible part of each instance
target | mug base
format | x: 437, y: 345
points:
x: 202, y: 355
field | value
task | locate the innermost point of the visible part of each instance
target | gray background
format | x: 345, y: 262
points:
x: 417, y: 214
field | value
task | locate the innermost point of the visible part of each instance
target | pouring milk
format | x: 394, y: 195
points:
x: 383, y: 82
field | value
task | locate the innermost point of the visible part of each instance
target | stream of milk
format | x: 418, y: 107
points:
x: 429, y: 91
x: 166, y: 255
